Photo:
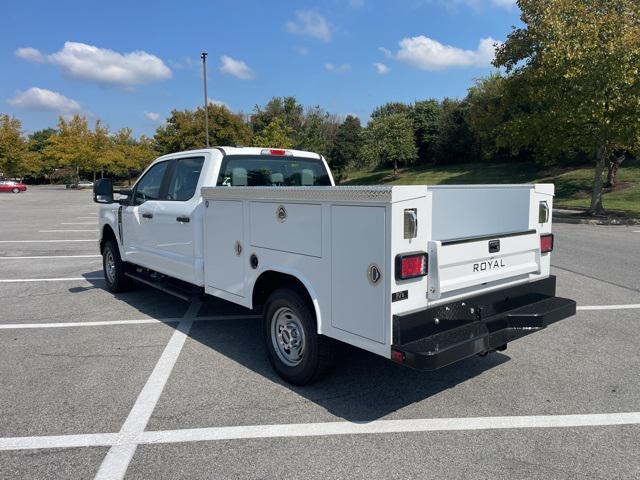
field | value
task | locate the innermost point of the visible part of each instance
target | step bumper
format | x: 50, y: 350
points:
x: 436, y: 337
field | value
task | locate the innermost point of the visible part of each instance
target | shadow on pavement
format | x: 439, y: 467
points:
x: 362, y: 387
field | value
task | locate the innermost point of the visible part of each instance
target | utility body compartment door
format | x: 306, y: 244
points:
x: 224, y: 247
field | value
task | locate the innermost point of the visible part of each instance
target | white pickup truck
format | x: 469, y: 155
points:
x: 422, y: 275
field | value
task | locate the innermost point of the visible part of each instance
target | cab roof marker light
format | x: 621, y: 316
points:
x: 275, y: 151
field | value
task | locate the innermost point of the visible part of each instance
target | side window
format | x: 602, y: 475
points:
x: 184, y: 180
x: 148, y: 188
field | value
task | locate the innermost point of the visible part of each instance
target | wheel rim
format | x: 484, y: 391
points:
x: 16, y: 190
x: 287, y: 337
x: 110, y: 266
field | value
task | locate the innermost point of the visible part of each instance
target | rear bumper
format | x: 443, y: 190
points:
x: 435, y: 337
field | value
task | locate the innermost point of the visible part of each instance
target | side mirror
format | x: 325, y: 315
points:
x: 103, y: 191
x: 125, y: 199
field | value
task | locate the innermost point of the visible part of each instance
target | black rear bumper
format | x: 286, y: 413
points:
x: 435, y: 337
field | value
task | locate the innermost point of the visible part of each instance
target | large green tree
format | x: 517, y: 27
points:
x: 389, y: 140
x: 427, y: 120
x: 345, y: 152
x: 72, y: 147
x: 185, y: 129
x: 318, y: 131
x: 287, y: 109
x: 574, y: 65
x: 14, y: 154
x: 276, y: 135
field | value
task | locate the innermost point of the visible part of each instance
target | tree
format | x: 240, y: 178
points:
x: 576, y: 62
x: 14, y: 158
x: 391, y: 108
x: 456, y: 142
x: 184, y: 130
x: 275, y: 135
x: 345, y: 152
x: 285, y: 108
x: 427, y: 120
x: 318, y: 131
x: 389, y: 140
x: 129, y: 156
x: 72, y: 146
x: 38, y: 141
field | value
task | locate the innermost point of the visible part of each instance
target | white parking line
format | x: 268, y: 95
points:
x: 115, y: 464
x: 78, y: 223
x: 608, y: 307
x: 49, y: 241
x: 42, y: 257
x: 129, y: 441
x: 30, y: 280
x: 99, y: 323
x: 56, y: 231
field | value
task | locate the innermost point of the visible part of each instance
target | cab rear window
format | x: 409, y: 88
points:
x: 261, y: 171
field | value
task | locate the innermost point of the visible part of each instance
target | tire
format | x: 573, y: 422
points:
x: 16, y: 190
x: 114, y: 269
x: 289, y: 322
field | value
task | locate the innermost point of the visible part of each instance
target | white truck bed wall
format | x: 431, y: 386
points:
x: 329, y: 238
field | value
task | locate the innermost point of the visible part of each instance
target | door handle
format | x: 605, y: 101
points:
x: 147, y: 215
x: 183, y: 219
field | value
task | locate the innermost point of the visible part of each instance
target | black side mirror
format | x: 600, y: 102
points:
x: 103, y: 191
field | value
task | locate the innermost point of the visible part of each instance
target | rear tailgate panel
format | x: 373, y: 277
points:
x: 462, y: 263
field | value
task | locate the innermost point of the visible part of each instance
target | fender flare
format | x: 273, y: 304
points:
x: 302, y: 279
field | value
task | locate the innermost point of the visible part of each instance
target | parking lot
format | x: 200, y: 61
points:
x: 143, y: 385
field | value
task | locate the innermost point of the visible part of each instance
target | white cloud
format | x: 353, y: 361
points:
x: 428, y: 54
x: 219, y: 103
x: 345, y: 67
x: 153, y: 116
x: 30, y: 54
x: 42, y: 99
x: 504, y: 3
x: 386, y: 52
x: 381, y: 68
x: 310, y: 23
x: 234, y: 67
x: 101, y: 65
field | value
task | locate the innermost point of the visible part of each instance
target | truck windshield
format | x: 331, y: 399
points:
x: 268, y: 171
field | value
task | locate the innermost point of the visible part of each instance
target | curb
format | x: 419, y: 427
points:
x: 576, y: 220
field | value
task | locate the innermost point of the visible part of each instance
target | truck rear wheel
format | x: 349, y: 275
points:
x: 296, y: 351
x: 114, y: 269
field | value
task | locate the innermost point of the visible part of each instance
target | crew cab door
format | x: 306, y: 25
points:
x: 138, y: 218
x: 177, y: 223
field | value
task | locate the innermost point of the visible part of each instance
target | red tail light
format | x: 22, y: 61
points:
x: 274, y: 151
x: 546, y: 243
x: 411, y: 265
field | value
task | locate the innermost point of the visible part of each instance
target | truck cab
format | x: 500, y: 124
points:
x: 422, y: 275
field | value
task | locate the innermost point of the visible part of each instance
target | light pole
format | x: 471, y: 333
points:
x: 203, y: 56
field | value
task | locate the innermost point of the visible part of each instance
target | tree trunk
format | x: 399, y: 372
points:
x: 596, y: 195
x: 129, y: 177
x: 613, y: 165
x: 395, y: 168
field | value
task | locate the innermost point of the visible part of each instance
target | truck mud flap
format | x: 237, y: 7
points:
x: 436, y: 337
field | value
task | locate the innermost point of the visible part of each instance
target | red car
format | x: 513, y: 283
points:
x: 11, y: 186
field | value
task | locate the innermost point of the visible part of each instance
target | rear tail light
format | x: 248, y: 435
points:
x: 398, y: 356
x: 411, y: 265
x: 546, y: 243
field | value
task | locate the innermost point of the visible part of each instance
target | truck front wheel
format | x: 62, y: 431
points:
x: 296, y: 351
x: 114, y: 269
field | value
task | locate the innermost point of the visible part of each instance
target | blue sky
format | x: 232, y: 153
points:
x: 130, y: 63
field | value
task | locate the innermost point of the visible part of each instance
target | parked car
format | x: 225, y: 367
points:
x: 11, y: 186
x: 80, y: 185
x: 423, y: 275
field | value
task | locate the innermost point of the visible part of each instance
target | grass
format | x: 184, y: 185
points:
x: 573, y: 185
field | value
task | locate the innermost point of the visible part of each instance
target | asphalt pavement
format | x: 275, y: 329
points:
x: 142, y: 385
